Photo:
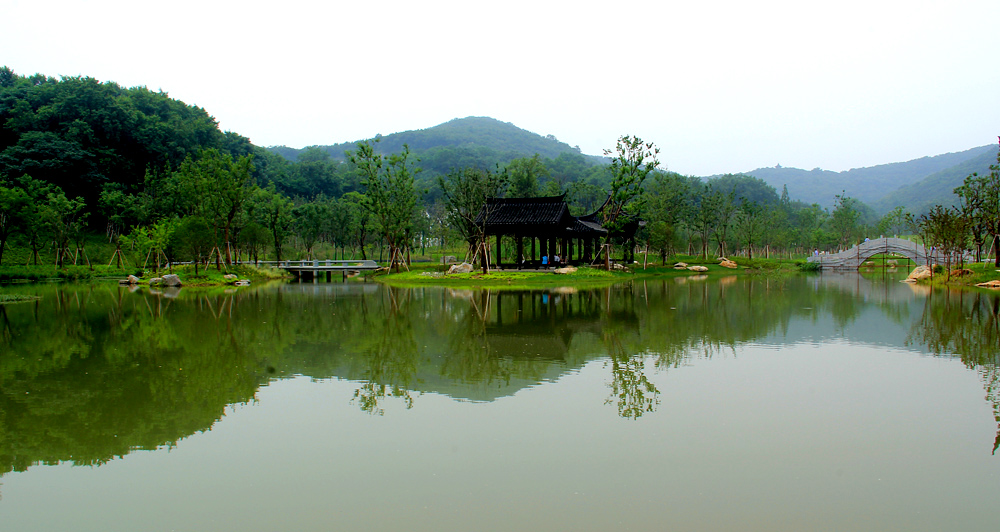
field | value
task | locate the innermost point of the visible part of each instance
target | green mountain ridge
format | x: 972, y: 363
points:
x: 484, y: 135
x: 484, y: 142
x: 937, y: 188
x: 877, y: 185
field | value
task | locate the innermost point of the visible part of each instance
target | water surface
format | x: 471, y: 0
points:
x: 821, y: 402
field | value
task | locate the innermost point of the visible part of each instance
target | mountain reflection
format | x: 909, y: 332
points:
x: 90, y: 373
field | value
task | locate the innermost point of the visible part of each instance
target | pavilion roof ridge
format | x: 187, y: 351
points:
x: 536, y: 199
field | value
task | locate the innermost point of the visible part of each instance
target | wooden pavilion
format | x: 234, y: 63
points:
x: 544, y: 221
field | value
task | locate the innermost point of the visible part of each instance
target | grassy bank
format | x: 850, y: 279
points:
x: 433, y: 274
x: 205, y: 277
x: 971, y: 275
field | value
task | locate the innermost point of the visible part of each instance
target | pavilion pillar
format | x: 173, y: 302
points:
x: 520, y: 250
x: 533, y: 248
x: 499, y: 238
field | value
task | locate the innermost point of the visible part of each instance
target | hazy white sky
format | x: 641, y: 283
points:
x: 724, y: 86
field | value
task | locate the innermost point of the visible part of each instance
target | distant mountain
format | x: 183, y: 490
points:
x: 485, y: 142
x: 474, y: 137
x: 874, y: 183
x: 937, y: 188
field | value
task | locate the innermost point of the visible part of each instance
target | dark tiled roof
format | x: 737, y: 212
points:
x: 525, y: 211
x: 547, y: 215
x: 583, y: 227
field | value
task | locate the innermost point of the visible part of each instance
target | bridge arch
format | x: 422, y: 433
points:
x: 853, y: 258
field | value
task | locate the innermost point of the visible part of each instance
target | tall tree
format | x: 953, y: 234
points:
x: 631, y: 162
x: 13, y: 201
x: 274, y: 212
x: 726, y: 207
x: 390, y: 194
x: 750, y: 222
x: 946, y: 230
x: 64, y: 217
x: 844, y: 219
x: 981, y: 197
x: 219, y: 187
x: 311, y: 221
x: 466, y: 192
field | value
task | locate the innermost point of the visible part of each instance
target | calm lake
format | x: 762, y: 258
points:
x: 821, y: 402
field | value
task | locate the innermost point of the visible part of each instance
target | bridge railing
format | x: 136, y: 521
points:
x: 305, y: 264
x: 855, y: 256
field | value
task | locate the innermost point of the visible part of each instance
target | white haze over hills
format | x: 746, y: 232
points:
x: 718, y: 86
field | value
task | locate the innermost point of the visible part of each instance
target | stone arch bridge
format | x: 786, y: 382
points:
x: 853, y: 258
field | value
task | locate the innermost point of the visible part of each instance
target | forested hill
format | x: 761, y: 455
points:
x: 938, y: 188
x: 84, y: 135
x: 872, y: 184
x: 473, y: 141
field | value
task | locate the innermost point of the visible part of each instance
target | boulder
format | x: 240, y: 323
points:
x: 995, y: 283
x: 156, y: 281
x: 728, y: 264
x: 242, y: 282
x: 171, y: 280
x: 961, y: 272
x: 230, y: 277
x: 448, y: 259
x: 133, y: 279
x: 567, y: 269
x: 680, y: 265
x: 465, y: 267
x: 698, y: 268
x: 919, y: 273
x: 891, y: 262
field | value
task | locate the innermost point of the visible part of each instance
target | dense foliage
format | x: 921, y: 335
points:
x: 80, y: 158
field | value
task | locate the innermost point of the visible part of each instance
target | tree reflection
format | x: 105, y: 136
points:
x: 91, y: 373
x: 968, y: 325
x: 390, y: 356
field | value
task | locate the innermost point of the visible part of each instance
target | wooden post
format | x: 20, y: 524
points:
x: 499, y: 237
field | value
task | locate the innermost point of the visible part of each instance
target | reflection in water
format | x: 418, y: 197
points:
x: 968, y: 325
x: 91, y: 373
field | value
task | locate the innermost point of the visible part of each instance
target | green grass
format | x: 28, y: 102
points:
x: 206, y: 276
x: 981, y: 272
x: 585, y: 276
x: 507, y: 279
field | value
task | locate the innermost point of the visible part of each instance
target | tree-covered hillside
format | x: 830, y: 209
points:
x: 140, y: 171
x: 938, y: 188
x: 80, y: 134
x: 473, y: 141
x: 868, y: 185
